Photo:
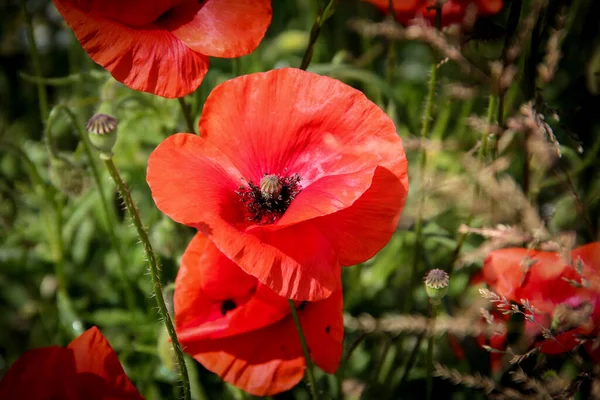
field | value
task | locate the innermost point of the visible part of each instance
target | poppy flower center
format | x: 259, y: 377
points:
x: 268, y: 201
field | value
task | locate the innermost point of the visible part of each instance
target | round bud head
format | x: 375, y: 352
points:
x: 270, y: 187
x: 102, y: 131
x: 436, y: 284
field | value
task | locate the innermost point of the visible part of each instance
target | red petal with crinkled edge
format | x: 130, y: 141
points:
x: 399, y: 5
x: 133, y: 13
x: 39, y: 375
x: 268, y: 361
x: 148, y: 60
x: 99, y: 370
x: 214, y: 298
x: 290, y: 121
x: 220, y: 28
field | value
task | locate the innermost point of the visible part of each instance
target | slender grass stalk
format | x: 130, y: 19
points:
x: 434, y: 305
x: 309, y: 364
x: 492, y: 100
x: 37, y: 65
x: 323, y: 16
x: 425, y: 126
x: 189, y: 121
x: 154, y: 269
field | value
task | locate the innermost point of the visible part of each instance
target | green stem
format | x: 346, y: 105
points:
x: 189, y: 121
x: 37, y: 65
x: 108, y: 211
x: 430, y: 343
x: 154, y: 270
x: 425, y: 126
x: 323, y: 16
x: 309, y: 365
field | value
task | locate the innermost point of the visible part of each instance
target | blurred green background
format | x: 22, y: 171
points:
x: 31, y: 313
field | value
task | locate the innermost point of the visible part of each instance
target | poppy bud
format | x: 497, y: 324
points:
x: 102, y: 131
x: 436, y: 284
x: 67, y: 177
x: 270, y: 187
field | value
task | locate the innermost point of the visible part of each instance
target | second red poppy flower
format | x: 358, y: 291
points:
x: 294, y: 175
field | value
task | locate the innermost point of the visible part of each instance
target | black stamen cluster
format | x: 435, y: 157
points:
x: 267, y: 209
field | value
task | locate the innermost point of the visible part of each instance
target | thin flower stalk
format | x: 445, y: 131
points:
x: 154, y: 270
x: 185, y: 110
x: 434, y: 305
x: 323, y: 16
x: 425, y: 126
x: 108, y: 211
x: 309, y: 364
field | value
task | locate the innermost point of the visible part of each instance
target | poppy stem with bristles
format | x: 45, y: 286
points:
x: 425, y: 124
x: 309, y: 365
x: 154, y: 270
x: 186, y: 114
x: 430, y: 343
x: 110, y: 216
x: 315, y: 31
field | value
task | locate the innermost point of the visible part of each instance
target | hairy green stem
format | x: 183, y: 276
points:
x: 37, y: 65
x: 430, y: 343
x: 425, y: 126
x: 189, y: 121
x: 108, y: 211
x: 323, y: 16
x: 154, y: 270
x: 391, y: 53
x: 309, y: 364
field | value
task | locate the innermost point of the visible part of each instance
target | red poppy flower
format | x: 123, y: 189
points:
x: 241, y: 330
x: 295, y: 174
x: 87, y: 369
x: 453, y: 11
x: 550, y: 285
x: 162, y: 46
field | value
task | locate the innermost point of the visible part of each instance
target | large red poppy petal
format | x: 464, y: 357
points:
x: 38, y: 375
x: 148, y: 60
x: 294, y: 121
x: 361, y: 230
x: 399, y: 5
x: 298, y: 262
x: 131, y: 12
x: 207, y: 282
x: 220, y: 28
x: 246, y: 362
x: 195, y: 184
x: 95, y: 358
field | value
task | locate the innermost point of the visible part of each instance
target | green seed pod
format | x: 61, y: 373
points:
x: 436, y: 284
x: 102, y: 131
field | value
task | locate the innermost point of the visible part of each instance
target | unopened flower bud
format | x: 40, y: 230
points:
x: 102, y: 131
x: 436, y: 284
x: 270, y: 187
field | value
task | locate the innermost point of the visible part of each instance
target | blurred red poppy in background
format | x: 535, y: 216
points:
x: 565, y: 299
x: 87, y: 369
x: 295, y: 174
x: 162, y: 46
x: 243, y: 331
x: 453, y: 11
